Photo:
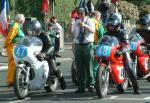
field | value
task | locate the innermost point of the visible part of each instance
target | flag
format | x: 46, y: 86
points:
x: 3, y: 17
x: 114, y: 1
x: 45, y: 7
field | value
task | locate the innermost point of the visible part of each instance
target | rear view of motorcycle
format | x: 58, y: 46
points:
x: 111, y: 66
x: 140, y: 55
x: 31, y: 74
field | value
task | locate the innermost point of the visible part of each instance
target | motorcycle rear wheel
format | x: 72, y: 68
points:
x: 102, y: 81
x: 74, y: 72
x: 20, y: 86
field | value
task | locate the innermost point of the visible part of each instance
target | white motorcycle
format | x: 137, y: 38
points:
x: 31, y: 74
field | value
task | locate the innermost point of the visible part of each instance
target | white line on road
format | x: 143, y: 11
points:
x: 147, y: 98
x: 3, y: 67
x: 17, y: 101
x: 133, y: 99
x: 113, y: 97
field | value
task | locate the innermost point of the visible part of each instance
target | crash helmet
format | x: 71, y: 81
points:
x: 35, y: 28
x: 114, y: 22
x: 145, y: 20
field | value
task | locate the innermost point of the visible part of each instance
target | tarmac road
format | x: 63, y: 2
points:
x: 68, y: 95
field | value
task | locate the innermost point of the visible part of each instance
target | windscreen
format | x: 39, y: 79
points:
x: 108, y: 40
x: 30, y: 41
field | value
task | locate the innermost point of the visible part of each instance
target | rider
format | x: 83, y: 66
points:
x: 144, y: 31
x: 113, y: 28
x: 35, y: 29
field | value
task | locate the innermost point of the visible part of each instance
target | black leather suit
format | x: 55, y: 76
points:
x: 145, y: 34
x: 123, y: 38
x: 48, y: 49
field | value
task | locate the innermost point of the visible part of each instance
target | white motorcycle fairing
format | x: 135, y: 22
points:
x: 25, y: 51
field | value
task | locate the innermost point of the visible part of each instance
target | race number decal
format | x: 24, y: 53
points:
x: 133, y: 46
x: 20, y: 51
x: 121, y: 72
x: 103, y: 50
x: 146, y: 63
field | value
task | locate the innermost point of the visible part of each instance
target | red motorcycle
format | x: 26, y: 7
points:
x: 140, y: 56
x: 111, y: 66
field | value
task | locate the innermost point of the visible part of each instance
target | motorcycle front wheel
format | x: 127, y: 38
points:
x: 52, y: 84
x: 102, y: 81
x: 122, y: 87
x: 20, y: 86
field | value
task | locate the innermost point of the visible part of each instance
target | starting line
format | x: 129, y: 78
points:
x: 133, y: 99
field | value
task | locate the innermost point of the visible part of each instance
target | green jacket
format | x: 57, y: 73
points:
x: 19, y: 34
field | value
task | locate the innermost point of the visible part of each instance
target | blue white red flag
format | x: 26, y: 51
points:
x: 3, y: 17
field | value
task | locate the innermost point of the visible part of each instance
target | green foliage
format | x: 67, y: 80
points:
x: 128, y: 10
x: 31, y: 8
x: 62, y: 9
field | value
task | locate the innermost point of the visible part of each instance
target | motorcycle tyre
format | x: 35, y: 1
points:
x: 122, y: 87
x: 51, y: 85
x: 21, y: 94
x: 74, y: 72
x: 148, y: 78
x: 102, y: 88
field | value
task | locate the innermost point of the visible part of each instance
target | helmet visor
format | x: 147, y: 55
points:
x: 111, y: 27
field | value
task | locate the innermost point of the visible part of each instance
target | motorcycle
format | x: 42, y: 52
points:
x: 111, y: 66
x: 30, y: 73
x: 140, y: 56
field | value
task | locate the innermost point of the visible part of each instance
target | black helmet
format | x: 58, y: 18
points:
x: 35, y: 27
x: 145, y: 20
x: 114, y: 21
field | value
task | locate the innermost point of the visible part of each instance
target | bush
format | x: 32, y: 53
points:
x: 128, y: 10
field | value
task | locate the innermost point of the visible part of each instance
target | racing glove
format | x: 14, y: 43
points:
x: 40, y: 56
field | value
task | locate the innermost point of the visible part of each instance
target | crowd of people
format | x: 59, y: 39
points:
x: 87, y: 29
x: 87, y: 26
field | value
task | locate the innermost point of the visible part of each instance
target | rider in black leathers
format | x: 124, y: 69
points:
x: 47, y: 52
x: 113, y: 28
x: 144, y: 30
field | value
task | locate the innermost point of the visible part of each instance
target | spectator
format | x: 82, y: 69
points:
x: 90, y: 7
x: 58, y: 28
x: 99, y: 31
x: 83, y: 30
x: 51, y: 33
x: 87, y: 5
x: 144, y: 30
x: 103, y: 8
x: 15, y: 33
x: 74, y: 14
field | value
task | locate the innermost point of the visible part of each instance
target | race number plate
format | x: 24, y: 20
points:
x: 133, y: 46
x: 20, y: 51
x: 103, y: 50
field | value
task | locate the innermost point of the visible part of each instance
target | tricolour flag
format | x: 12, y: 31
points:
x: 3, y: 17
x: 45, y: 7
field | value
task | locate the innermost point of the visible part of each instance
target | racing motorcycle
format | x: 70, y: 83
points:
x: 31, y: 74
x: 140, y: 56
x: 111, y: 67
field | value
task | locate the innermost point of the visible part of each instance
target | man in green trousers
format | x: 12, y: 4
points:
x: 83, y: 30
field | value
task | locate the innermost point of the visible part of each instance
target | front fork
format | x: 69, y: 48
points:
x: 26, y: 69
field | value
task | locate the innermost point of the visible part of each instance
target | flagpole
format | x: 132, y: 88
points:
x: 53, y: 8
